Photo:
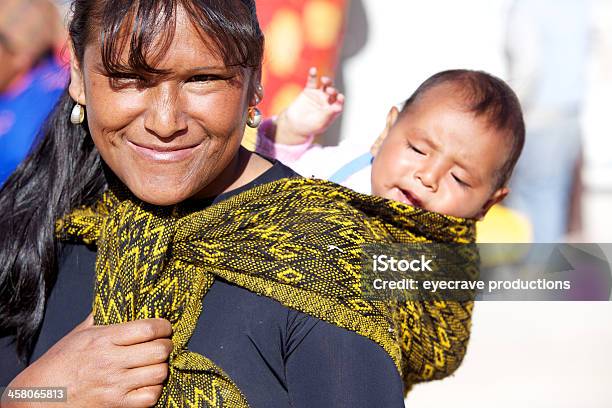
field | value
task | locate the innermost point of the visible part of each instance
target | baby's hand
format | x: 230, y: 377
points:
x: 312, y: 112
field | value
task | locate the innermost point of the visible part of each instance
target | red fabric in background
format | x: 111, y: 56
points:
x: 299, y: 34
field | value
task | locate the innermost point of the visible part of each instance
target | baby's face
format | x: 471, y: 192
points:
x: 439, y: 157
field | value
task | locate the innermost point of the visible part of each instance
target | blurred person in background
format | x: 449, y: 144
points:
x: 31, y: 74
x: 547, y: 48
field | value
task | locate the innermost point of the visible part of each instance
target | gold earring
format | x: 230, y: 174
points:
x: 254, y: 118
x: 77, y: 116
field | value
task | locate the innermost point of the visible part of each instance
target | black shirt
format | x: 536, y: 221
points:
x: 277, y: 356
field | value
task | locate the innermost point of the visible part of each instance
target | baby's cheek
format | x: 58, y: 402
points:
x: 453, y: 203
x: 472, y: 208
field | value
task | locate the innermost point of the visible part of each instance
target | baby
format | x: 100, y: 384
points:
x: 450, y: 149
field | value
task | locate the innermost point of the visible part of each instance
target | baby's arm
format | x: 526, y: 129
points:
x: 309, y: 115
x: 313, y: 111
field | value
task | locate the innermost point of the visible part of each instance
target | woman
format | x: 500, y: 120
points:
x: 181, y: 231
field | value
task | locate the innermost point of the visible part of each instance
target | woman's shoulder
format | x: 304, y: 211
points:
x: 278, y: 171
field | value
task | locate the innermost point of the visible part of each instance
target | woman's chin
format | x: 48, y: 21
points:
x: 162, y: 191
x: 161, y: 198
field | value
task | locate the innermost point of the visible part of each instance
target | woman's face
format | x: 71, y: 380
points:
x: 168, y: 137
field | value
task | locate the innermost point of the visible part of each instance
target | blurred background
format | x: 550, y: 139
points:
x: 556, y: 54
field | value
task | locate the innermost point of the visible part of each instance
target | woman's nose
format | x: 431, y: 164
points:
x: 164, y: 116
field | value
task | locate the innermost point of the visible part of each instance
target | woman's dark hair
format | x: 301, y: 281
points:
x: 64, y: 169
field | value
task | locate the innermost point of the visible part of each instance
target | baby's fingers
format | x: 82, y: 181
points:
x: 326, y: 82
x: 338, y: 104
x: 332, y: 94
x: 311, y: 82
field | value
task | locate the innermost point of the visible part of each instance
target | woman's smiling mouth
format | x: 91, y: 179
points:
x: 166, y: 154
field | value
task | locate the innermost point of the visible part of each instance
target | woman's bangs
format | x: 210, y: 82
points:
x: 134, y: 35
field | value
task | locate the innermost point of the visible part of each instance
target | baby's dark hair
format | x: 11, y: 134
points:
x: 488, y: 96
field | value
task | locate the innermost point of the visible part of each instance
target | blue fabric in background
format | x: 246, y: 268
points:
x: 24, y: 108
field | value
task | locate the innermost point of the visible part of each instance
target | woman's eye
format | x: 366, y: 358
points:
x: 128, y: 77
x: 460, y: 182
x: 203, y: 78
x: 126, y: 80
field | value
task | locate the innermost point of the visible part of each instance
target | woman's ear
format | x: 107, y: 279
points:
x: 257, y: 89
x: 497, y: 197
x: 391, y: 119
x: 76, y: 89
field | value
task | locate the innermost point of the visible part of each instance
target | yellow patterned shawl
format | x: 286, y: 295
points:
x: 272, y: 240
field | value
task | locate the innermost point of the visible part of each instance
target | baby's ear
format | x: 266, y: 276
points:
x: 391, y: 119
x: 497, y: 197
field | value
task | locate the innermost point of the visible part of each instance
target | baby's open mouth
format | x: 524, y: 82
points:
x: 409, y: 198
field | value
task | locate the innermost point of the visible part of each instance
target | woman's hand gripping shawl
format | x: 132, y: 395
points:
x: 274, y: 240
